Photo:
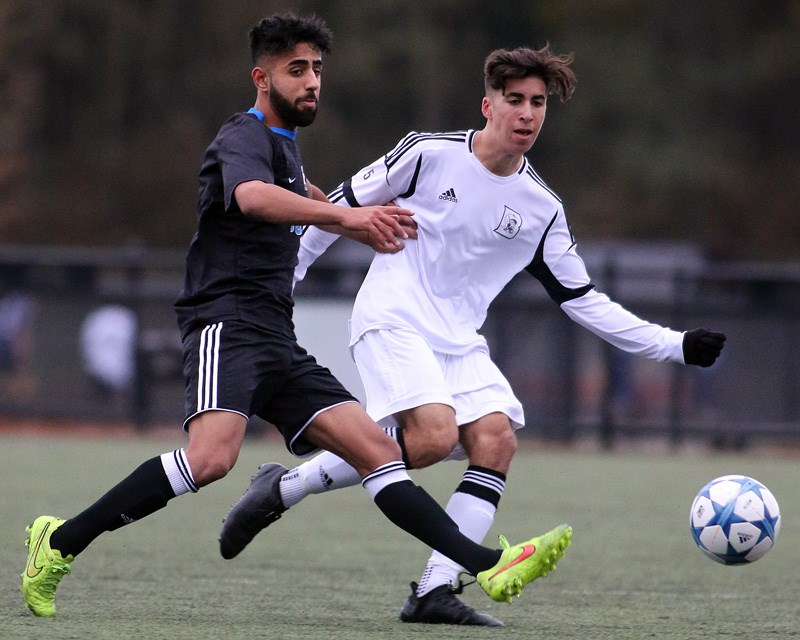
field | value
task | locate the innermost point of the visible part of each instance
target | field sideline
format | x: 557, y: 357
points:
x: 334, y: 568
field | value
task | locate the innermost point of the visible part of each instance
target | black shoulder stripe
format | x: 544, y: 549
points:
x: 347, y: 190
x: 344, y: 191
x: 412, y: 186
x: 541, y: 182
x: 539, y: 270
x: 414, y: 138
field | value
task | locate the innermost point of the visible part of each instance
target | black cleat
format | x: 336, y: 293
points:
x: 258, y: 508
x: 440, y: 606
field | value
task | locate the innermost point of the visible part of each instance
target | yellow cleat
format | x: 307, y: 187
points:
x: 522, y: 563
x: 45, y: 567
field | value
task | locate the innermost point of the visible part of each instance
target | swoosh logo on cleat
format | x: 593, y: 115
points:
x: 32, y: 570
x: 527, y: 551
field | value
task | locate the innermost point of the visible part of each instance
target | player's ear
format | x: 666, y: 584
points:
x: 260, y: 78
x: 486, y: 108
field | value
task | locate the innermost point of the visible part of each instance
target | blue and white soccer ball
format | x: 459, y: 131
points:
x: 735, y: 519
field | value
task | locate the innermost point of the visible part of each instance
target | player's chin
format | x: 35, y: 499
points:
x: 306, y: 115
x: 523, y: 141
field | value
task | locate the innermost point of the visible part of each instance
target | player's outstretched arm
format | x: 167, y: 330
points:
x: 317, y: 238
x: 354, y: 227
x: 621, y: 328
x: 379, y: 224
x: 406, y: 222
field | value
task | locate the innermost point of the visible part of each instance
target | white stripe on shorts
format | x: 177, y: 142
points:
x: 207, y: 371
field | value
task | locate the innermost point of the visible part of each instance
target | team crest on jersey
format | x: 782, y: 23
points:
x: 510, y: 223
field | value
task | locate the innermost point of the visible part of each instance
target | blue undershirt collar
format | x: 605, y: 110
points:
x: 282, y: 132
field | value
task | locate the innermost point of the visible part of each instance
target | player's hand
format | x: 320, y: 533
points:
x: 702, y: 347
x: 383, y: 227
x: 409, y: 228
x: 408, y: 223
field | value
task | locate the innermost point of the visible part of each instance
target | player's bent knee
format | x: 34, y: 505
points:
x: 503, y: 442
x: 506, y: 441
x: 435, y: 449
x: 443, y: 445
x: 429, y: 434
x: 218, y: 471
x: 206, y: 470
x: 490, y: 445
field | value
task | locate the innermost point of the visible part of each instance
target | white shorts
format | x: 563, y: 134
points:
x: 400, y: 371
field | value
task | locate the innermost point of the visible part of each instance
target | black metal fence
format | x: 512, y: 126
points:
x: 572, y: 384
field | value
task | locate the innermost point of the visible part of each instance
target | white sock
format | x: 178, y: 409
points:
x: 322, y: 473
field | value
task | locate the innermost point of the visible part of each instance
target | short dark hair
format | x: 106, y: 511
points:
x: 522, y: 62
x: 283, y: 32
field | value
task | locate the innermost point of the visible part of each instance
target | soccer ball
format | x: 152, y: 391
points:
x: 735, y: 519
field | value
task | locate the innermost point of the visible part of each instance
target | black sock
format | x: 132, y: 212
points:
x: 413, y: 510
x: 143, y: 492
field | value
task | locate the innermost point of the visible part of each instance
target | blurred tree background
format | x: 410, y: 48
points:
x: 685, y: 124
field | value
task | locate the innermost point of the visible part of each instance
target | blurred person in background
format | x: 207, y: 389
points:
x: 483, y: 215
x: 108, y: 338
x: 17, y: 325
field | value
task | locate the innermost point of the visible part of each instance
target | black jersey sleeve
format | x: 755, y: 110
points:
x: 245, y: 153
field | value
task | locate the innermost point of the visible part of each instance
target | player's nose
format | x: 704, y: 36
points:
x: 312, y: 80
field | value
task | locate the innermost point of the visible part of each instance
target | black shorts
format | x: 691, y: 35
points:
x: 236, y: 366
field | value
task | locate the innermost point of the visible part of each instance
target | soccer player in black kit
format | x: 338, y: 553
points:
x: 241, y: 356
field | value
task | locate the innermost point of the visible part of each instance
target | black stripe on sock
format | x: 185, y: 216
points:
x: 483, y: 483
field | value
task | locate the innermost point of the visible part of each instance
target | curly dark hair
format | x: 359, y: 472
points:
x: 554, y: 69
x: 283, y: 32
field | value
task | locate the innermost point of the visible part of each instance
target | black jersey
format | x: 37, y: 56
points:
x: 238, y: 266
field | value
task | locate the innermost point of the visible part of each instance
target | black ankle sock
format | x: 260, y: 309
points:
x: 413, y: 510
x: 143, y: 492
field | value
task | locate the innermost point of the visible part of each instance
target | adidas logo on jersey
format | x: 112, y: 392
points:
x: 450, y: 195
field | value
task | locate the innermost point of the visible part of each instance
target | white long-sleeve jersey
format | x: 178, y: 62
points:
x: 476, y: 231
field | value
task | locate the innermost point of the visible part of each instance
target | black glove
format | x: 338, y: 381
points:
x: 702, y: 347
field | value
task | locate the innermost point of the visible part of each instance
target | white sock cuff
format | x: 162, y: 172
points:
x: 383, y: 476
x: 176, y: 466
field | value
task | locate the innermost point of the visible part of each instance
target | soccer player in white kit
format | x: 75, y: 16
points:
x: 483, y: 215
